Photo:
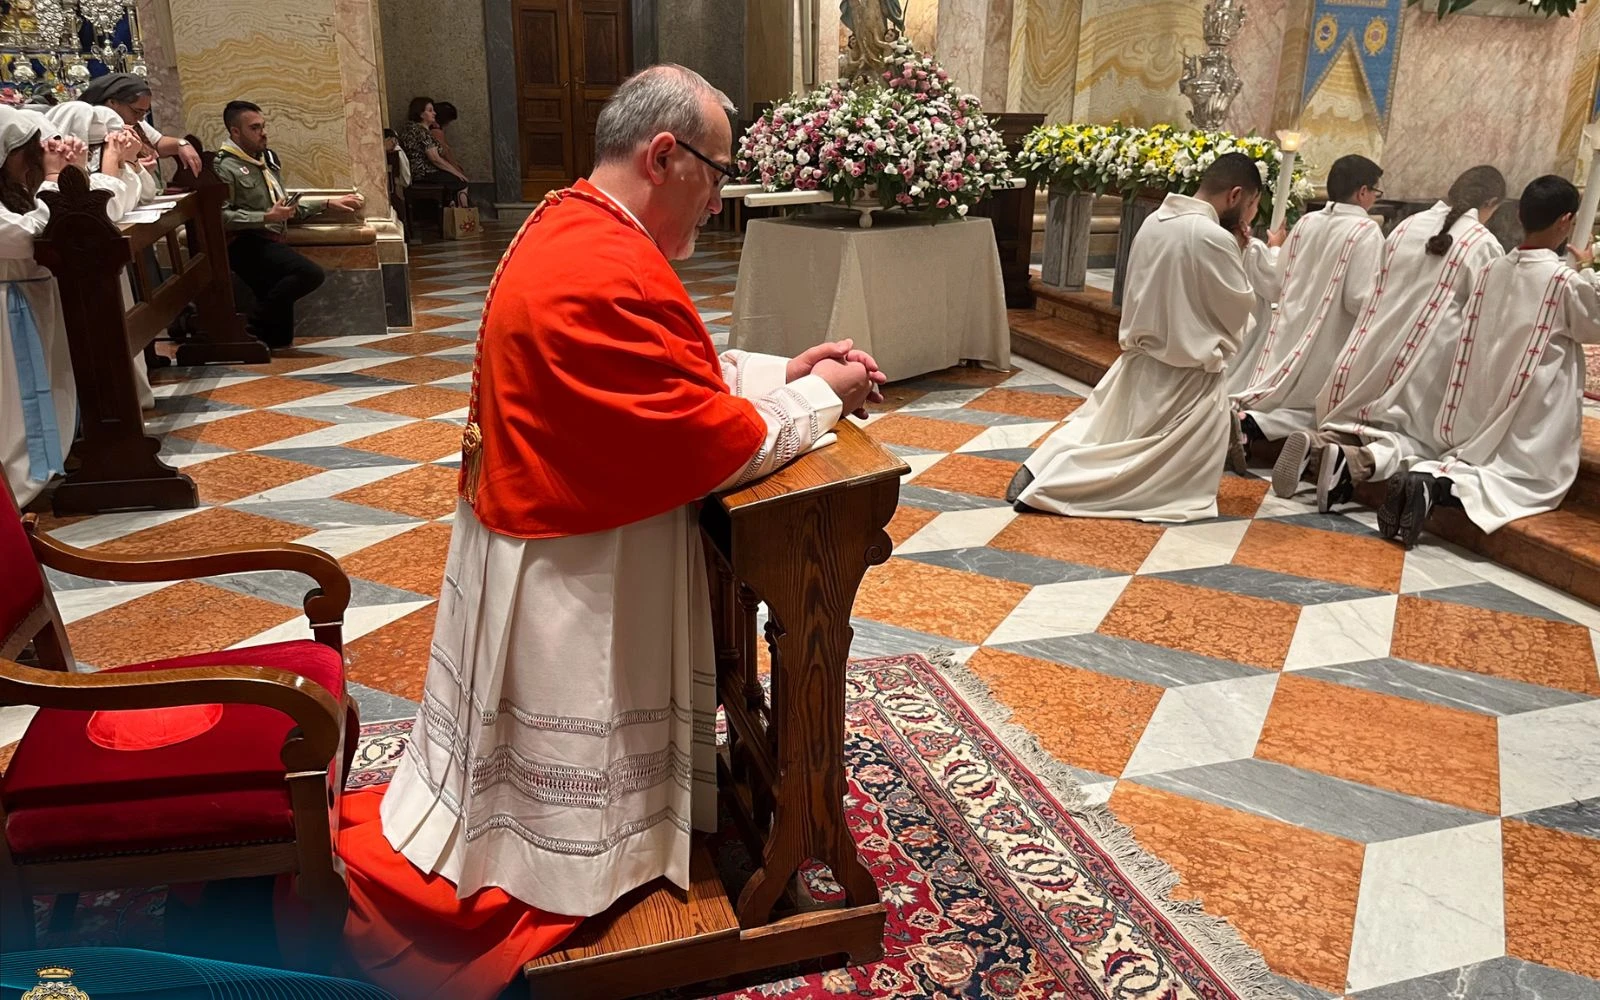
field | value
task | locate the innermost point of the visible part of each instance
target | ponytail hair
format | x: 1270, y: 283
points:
x: 1475, y: 188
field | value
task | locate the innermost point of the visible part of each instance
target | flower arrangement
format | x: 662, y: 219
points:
x: 1126, y: 159
x: 1549, y: 8
x: 909, y: 139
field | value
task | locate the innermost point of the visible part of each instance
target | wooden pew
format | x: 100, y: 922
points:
x: 88, y: 254
x: 800, y: 540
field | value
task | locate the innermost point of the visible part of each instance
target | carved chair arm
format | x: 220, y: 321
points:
x: 317, y: 715
x: 324, y: 606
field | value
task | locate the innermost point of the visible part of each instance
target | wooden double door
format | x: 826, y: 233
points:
x: 571, y: 56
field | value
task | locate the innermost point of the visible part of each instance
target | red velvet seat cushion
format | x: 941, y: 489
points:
x: 65, y: 796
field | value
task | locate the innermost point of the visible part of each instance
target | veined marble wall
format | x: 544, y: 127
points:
x: 166, y: 97
x: 1257, y: 53
x: 708, y: 37
x: 974, y: 46
x: 1044, y: 58
x: 922, y: 24
x: 1130, y: 55
x: 435, y: 48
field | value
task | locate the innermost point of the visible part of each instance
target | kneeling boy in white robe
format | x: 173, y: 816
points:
x: 1512, y: 419
x: 1329, y: 265
x: 1150, y: 440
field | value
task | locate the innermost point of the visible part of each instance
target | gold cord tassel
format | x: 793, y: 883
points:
x: 471, y: 461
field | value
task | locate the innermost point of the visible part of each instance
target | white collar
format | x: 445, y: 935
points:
x: 1345, y: 208
x: 626, y: 210
x: 1181, y: 204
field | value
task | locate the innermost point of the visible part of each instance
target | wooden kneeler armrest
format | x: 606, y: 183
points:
x: 324, y: 606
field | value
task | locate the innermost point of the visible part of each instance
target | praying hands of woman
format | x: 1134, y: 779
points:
x: 120, y: 148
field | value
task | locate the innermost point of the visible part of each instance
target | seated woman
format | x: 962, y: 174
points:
x: 38, y: 398
x: 428, y: 162
x: 445, y: 115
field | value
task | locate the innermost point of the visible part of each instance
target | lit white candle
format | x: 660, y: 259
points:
x: 1289, y: 142
x: 1583, y: 232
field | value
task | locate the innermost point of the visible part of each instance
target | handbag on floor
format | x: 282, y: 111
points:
x: 461, y: 223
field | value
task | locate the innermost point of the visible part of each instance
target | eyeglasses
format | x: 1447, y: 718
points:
x: 727, y: 172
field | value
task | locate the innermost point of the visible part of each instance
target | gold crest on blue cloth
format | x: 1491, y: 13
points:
x: 55, y: 983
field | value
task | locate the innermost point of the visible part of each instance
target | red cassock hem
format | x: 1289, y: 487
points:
x: 409, y: 934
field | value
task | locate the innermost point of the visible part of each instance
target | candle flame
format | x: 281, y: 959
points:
x: 1289, y: 141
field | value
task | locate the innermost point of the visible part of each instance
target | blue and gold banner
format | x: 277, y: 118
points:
x: 1370, y: 29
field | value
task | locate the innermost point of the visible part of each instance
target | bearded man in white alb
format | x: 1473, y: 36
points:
x: 1150, y: 440
x: 1329, y: 265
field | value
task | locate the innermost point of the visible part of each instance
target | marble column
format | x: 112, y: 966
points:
x: 155, y: 29
x: 1130, y: 56
x: 500, y: 53
x: 974, y: 47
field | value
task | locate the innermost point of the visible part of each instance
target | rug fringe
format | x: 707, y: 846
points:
x: 1216, y: 940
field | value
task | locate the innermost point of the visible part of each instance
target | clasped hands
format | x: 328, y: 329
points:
x: 852, y: 375
x: 283, y: 211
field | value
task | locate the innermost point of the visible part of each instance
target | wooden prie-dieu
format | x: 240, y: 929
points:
x: 799, y: 542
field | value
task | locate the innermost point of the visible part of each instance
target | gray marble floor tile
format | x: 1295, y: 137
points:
x: 355, y: 351
x: 379, y: 706
x: 945, y: 500
x: 464, y: 309
x: 1017, y: 566
x: 1492, y: 597
x: 1293, y: 989
x: 1442, y: 686
x: 353, y: 380
x: 877, y: 639
x: 1045, y: 389
x: 1018, y: 455
x: 338, y: 414
x: 1582, y: 818
x: 1325, y: 522
x: 984, y: 418
x: 321, y: 514
x: 1503, y: 978
x: 190, y: 403
x: 1317, y: 801
x: 284, y: 587
x: 333, y: 457
x: 905, y: 449
x: 171, y: 444
x: 1263, y: 583
x: 1136, y: 661
x: 66, y: 581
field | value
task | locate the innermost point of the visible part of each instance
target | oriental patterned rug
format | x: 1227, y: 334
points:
x: 998, y: 882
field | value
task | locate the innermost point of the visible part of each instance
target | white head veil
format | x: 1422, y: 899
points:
x: 88, y: 122
x: 17, y: 129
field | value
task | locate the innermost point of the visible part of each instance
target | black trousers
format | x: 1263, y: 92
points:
x: 278, y: 276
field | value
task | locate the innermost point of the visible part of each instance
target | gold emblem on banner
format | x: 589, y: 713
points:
x: 1376, y: 36
x: 1326, y: 32
x: 55, y: 983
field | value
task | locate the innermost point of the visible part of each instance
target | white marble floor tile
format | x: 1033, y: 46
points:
x: 184, y: 459
x: 463, y: 379
x: 959, y: 529
x: 460, y: 414
x: 942, y: 400
x: 357, y: 623
x: 326, y: 484
x: 1049, y: 375
x: 1195, y: 546
x: 1097, y: 793
x: 1056, y: 609
x: 1558, y: 601
x: 920, y: 464
x: 1276, y: 506
x: 346, y: 365
x: 106, y: 527
x: 1428, y: 903
x: 203, y: 383
x: 1200, y: 724
x: 1007, y: 436
x: 168, y: 422
x: 14, y: 721
x: 338, y: 397
x: 1429, y: 567
x: 1342, y: 632
x: 76, y: 605
x: 352, y: 341
x: 341, y: 542
x: 337, y: 434
x: 1550, y: 757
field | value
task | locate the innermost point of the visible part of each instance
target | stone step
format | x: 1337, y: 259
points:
x: 1075, y: 333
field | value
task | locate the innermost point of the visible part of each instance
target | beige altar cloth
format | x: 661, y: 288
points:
x: 919, y: 298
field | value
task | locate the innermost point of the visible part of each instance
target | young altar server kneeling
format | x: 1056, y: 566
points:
x: 1329, y: 266
x: 1149, y: 441
x: 1512, y: 419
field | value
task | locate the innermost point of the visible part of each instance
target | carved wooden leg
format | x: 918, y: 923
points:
x: 221, y: 337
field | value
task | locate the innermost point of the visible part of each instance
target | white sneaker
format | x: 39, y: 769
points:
x: 1291, y: 465
x: 1333, y: 478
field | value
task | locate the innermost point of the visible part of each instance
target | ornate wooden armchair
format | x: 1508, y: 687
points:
x: 238, y: 776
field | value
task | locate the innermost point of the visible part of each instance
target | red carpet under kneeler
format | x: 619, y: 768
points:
x: 409, y: 934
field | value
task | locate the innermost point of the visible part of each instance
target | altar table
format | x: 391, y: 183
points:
x: 918, y: 297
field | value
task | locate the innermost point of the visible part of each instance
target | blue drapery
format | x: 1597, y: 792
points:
x: 1370, y: 29
x: 45, y: 458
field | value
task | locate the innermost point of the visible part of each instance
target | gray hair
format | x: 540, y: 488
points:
x: 663, y: 98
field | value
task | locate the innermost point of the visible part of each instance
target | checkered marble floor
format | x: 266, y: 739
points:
x: 1382, y: 767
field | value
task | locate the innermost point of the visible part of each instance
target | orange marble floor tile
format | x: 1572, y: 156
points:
x: 1046, y: 436
x: 984, y: 477
x: 1496, y: 643
x: 907, y: 521
x: 426, y: 492
x: 1213, y: 623
x: 1413, y: 747
x: 394, y: 658
x: 412, y: 560
x: 1240, y: 497
x: 422, y: 323
x: 185, y: 618
x: 417, y: 343
x: 894, y: 397
x: 285, y: 362
x: 225, y: 479
x: 1289, y: 891
x: 419, y: 370
x: 250, y: 430
x: 209, y: 528
x: 922, y: 432
x: 716, y: 303
x: 1357, y: 560
x: 418, y: 401
x: 937, y: 601
x: 971, y: 376
x: 1115, y: 545
x: 1552, y: 881
x: 423, y: 303
x: 269, y: 391
x: 1087, y: 719
x: 1040, y: 406
x: 423, y: 441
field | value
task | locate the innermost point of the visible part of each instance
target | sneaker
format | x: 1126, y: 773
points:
x: 1419, y: 503
x: 1394, y: 505
x: 1291, y: 465
x: 1334, y: 485
x: 1238, y: 462
x: 1019, y: 482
